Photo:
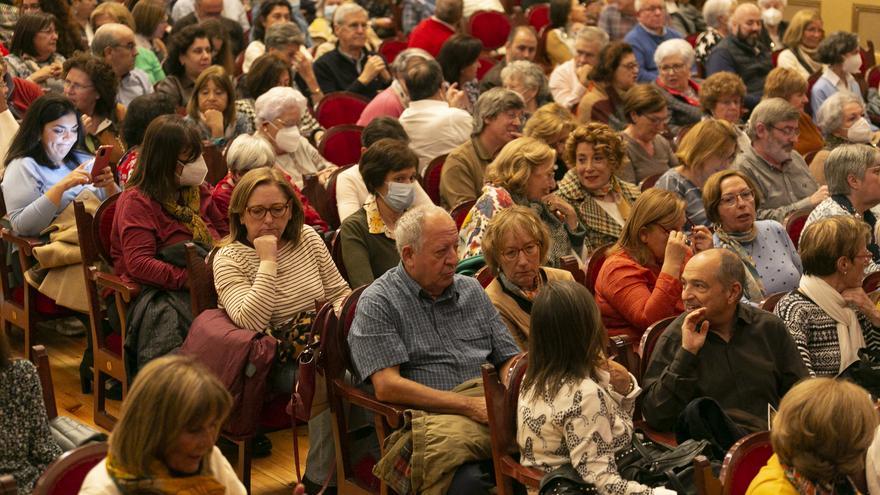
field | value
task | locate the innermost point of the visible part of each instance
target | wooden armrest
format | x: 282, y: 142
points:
x: 530, y: 477
x: 393, y: 413
x: 25, y: 244
x: 661, y: 437
x: 110, y: 281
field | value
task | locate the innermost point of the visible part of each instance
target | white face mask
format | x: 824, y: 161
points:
x: 288, y: 138
x: 852, y: 63
x: 772, y: 16
x: 194, y: 173
x: 859, y: 132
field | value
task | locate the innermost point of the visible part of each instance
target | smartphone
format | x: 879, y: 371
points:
x: 102, y: 160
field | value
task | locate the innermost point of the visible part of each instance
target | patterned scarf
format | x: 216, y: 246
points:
x: 754, y: 289
x: 807, y: 58
x: 160, y: 481
x: 188, y: 215
x: 840, y: 486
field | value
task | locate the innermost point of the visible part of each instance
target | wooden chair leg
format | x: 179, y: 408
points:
x: 245, y: 451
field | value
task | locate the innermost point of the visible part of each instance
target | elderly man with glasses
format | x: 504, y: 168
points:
x: 114, y: 43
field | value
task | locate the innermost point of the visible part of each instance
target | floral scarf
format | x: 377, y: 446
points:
x: 160, y: 481
x: 840, y: 486
x: 188, y: 215
x: 754, y: 289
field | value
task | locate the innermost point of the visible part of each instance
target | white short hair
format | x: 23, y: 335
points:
x: 830, y: 117
x: 248, y: 152
x: 675, y: 46
x: 531, y: 75
x: 763, y: 3
x: 638, y: 4
x: 345, y: 10
x: 408, y: 231
x: 592, y: 34
x: 274, y: 102
x: 713, y: 10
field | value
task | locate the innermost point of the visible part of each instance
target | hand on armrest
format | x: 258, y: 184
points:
x: 391, y: 387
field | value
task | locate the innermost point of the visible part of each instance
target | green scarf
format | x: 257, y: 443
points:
x: 188, y: 215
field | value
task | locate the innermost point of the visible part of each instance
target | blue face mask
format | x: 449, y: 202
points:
x: 400, y: 196
x: 329, y: 10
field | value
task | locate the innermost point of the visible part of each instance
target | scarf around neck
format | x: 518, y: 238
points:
x: 839, y: 486
x: 188, y: 215
x: 733, y: 241
x: 161, y: 482
x: 807, y: 58
x: 849, y: 333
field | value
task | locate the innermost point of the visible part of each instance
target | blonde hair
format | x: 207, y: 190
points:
x: 784, y: 83
x: 513, y: 166
x: 515, y: 218
x: 823, y: 428
x: 653, y: 206
x: 115, y: 10
x: 796, y: 27
x: 169, y: 394
x: 549, y: 121
x: 710, y: 137
x: 825, y: 241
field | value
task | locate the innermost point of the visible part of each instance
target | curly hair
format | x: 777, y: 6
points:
x: 178, y: 45
x: 609, y: 60
x: 548, y: 122
x: 103, y: 79
x: 832, y: 49
x: 602, y: 138
x: 720, y: 85
x: 513, y: 166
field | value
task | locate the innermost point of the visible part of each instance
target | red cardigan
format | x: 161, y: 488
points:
x: 222, y: 195
x: 141, y: 228
x: 429, y: 35
x: 631, y: 297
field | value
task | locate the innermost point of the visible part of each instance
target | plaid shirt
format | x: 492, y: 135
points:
x: 414, y: 11
x: 8, y: 18
x: 673, y: 181
x: 615, y: 23
x: 440, y: 343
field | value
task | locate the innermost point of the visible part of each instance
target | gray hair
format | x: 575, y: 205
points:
x: 283, y: 34
x: 400, y: 62
x: 248, y: 152
x: 273, y: 102
x: 592, y: 34
x: 832, y: 49
x: 846, y: 160
x: 771, y: 112
x: 107, y: 36
x: 408, y: 231
x: 345, y: 10
x: 763, y: 3
x: 493, y: 103
x: 531, y: 75
x: 713, y: 10
x: 829, y: 118
x: 637, y: 5
x: 678, y: 47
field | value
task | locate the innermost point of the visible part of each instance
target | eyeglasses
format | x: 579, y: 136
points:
x: 259, y: 212
x: 630, y: 66
x: 788, y: 131
x: 530, y: 249
x: 730, y: 199
x: 672, y: 68
x: 357, y: 25
x: 76, y: 86
x: 127, y: 46
x: 658, y: 120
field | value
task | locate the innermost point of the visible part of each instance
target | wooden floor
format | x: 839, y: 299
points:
x: 270, y: 475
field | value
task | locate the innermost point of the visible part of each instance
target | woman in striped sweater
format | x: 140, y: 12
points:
x: 268, y: 276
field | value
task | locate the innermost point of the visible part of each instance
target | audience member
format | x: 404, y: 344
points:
x: 70, y: 36
x: 842, y: 121
x: 91, y: 85
x: 590, y: 398
x: 780, y: 173
x: 230, y: 9
x: 569, y: 80
x: 685, y: 17
x: 8, y: 124
x: 528, y: 81
x: 434, y: 127
x: 394, y: 99
x: 278, y: 112
x: 270, y: 13
x: 115, y: 44
x: 434, y: 30
x: 32, y: 52
x: 522, y: 174
x: 618, y: 17
x: 268, y: 275
x: 742, y: 52
x: 213, y: 9
x: 612, y: 76
x: 829, y: 316
x: 390, y: 173
x: 80, y: 12
x: 518, y: 279
x: 212, y: 110
x: 789, y: 85
x: 840, y: 54
x: 717, y: 14
x: 819, y: 437
x: 522, y: 44
x: 801, y: 41
x: 736, y: 355
x: 772, y: 26
x: 402, y: 329
x: 150, y: 25
x: 497, y: 121
x: 189, y: 53
x: 648, y: 151
x: 220, y: 51
x: 138, y: 116
x: 28, y: 446
x: 286, y: 41
x: 552, y: 123
x: 721, y: 97
x: 707, y: 148
x: 566, y: 19
x: 165, y: 436
x: 674, y: 59
x: 770, y: 258
x: 18, y: 94
x: 459, y: 58
x: 647, y: 35
x: 639, y: 283
x: 350, y: 66
x: 593, y: 153
x: 111, y: 12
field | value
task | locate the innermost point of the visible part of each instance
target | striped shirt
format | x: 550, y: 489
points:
x: 258, y: 293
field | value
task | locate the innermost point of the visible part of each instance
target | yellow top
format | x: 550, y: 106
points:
x: 771, y: 480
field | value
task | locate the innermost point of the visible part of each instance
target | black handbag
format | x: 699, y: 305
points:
x: 866, y: 371
x: 564, y: 480
x: 653, y: 464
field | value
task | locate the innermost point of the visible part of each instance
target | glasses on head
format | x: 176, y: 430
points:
x: 530, y: 249
x: 788, y: 131
x: 672, y: 68
x: 259, y: 212
x: 730, y: 199
x: 76, y: 86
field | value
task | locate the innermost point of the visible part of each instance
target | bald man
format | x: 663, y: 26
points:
x: 742, y: 52
x: 114, y: 43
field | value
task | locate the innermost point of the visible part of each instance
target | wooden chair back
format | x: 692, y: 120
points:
x: 705, y: 480
x: 649, y: 182
x: 460, y: 212
x: 769, y: 303
x: 66, y: 474
x: 484, y: 276
x: 594, y: 264
x: 432, y: 178
x: 570, y: 263
x: 743, y: 461
x: 336, y: 254
x: 8, y: 486
x: 649, y: 341
x: 40, y: 358
x: 339, y: 108
x: 202, y: 293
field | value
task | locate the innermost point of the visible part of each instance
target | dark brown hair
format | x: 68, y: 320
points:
x: 642, y: 99
x: 103, y: 79
x: 26, y: 29
x: 167, y: 137
x: 264, y: 75
x: 215, y: 29
x: 219, y: 77
x: 383, y: 156
x: 609, y: 60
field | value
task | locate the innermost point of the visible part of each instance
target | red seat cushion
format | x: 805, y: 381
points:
x: 342, y: 145
x: 539, y: 16
x: 339, y: 109
x: 490, y: 27
x: 748, y: 468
